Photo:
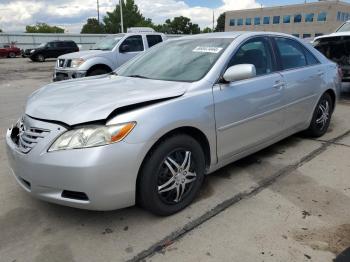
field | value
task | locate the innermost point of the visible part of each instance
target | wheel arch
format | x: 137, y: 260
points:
x: 194, y: 132
x: 99, y: 66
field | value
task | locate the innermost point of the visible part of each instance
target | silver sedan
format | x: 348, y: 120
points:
x: 149, y: 132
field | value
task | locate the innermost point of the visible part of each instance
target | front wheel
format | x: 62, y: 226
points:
x: 12, y: 55
x: 172, y: 175
x: 321, y: 117
x: 40, y: 58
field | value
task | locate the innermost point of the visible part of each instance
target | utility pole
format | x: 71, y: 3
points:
x: 121, y: 15
x: 98, y: 11
x: 213, y: 21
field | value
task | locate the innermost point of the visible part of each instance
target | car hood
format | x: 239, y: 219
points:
x: 85, y: 54
x: 333, y: 35
x: 80, y: 101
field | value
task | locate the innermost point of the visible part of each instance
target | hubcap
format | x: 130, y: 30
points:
x: 176, y: 177
x: 323, y: 114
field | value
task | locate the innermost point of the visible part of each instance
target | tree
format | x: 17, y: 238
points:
x: 43, y: 28
x: 207, y: 30
x: 220, y: 26
x: 179, y: 25
x: 131, y: 17
x: 92, y: 26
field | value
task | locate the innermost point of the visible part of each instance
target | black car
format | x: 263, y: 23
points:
x: 52, y: 49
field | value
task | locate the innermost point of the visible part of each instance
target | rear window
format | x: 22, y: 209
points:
x: 153, y: 40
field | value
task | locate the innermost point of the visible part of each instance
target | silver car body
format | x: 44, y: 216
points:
x: 233, y: 121
x: 112, y: 59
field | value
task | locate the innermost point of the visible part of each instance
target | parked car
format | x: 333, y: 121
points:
x: 336, y: 47
x: 107, y: 55
x: 26, y: 52
x: 10, y: 51
x: 149, y: 132
x: 52, y: 49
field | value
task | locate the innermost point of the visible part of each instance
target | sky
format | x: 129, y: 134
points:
x: 72, y: 14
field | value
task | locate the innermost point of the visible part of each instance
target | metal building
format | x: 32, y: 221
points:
x: 302, y: 20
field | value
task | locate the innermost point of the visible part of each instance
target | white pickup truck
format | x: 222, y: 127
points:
x: 336, y: 47
x: 107, y: 55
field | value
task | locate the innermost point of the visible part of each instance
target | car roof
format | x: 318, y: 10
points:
x: 235, y: 34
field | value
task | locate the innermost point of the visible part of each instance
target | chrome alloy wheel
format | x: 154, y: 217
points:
x: 176, y: 177
x: 323, y: 114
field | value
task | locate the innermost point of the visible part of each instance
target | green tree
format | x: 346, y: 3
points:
x: 92, y: 26
x: 179, y: 25
x: 207, y: 30
x: 220, y: 25
x: 131, y: 17
x: 43, y: 28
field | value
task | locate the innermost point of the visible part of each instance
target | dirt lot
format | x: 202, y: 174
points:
x: 289, y: 202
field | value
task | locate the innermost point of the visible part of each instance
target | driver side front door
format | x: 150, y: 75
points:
x: 249, y: 112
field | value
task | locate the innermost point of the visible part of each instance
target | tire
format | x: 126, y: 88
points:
x: 321, y: 117
x: 98, y: 71
x: 12, y: 55
x: 40, y: 58
x: 163, y: 187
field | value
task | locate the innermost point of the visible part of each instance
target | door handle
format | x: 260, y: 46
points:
x: 320, y: 73
x: 278, y: 85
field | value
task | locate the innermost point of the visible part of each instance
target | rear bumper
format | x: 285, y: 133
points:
x: 64, y: 74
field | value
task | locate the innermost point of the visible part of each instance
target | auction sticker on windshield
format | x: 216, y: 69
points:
x: 207, y: 49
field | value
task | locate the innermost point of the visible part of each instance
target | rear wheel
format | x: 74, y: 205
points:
x: 172, y: 175
x: 12, y: 55
x: 321, y: 117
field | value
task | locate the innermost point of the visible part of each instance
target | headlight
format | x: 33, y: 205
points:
x: 77, y: 62
x: 32, y: 51
x: 92, y: 136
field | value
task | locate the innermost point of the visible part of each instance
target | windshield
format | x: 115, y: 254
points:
x: 107, y: 43
x: 42, y: 45
x: 180, y: 60
x: 344, y: 28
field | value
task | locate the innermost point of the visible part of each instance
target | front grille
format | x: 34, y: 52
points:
x: 61, y: 62
x: 25, y: 137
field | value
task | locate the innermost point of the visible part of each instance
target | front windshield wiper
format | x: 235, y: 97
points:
x: 138, y: 76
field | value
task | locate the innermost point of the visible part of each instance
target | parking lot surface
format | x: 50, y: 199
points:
x: 289, y: 202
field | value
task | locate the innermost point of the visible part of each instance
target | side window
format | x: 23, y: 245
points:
x: 52, y: 44
x: 134, y: 43
x: 291, y: 52
x: 256, y: 52
x: 311, y: 59
x: 153, y: 40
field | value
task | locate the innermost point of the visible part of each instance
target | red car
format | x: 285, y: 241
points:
x: 10, y: 51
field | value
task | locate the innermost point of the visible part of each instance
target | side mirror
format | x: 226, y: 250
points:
x: 124, y: 48
x: 239, y: 72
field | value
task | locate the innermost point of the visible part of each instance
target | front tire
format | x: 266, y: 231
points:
x: 12, y: 55
x: 171, y: 175
x: 40, y: 58
x: 98, y: 71
x: 321, y: 117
